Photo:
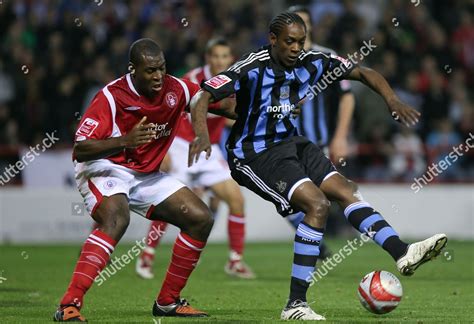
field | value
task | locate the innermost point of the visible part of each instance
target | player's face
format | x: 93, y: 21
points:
x: 149, y: 74
x: 288, y: 45
x: 219, y: 58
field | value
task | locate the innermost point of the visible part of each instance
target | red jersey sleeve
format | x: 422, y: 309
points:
x: 192, y: 87
x: 97, y: 120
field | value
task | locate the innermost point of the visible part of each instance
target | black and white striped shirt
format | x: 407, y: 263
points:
x: 266, y: 94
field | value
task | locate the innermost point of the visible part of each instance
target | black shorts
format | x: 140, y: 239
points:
x: 276, y: 172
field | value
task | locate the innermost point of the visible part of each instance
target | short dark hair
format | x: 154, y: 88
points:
x: 217, y: 41
x: 286, y: 18
x: 301, y: 8
x: 143, y: 46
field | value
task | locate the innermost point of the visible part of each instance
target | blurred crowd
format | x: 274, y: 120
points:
x: 56, y: 54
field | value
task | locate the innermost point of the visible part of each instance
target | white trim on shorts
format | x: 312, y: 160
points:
x: 330, y: 174
x: 293, y: 188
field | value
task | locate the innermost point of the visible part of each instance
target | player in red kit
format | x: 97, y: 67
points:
x: 119, y: 145
x: 213, y: 173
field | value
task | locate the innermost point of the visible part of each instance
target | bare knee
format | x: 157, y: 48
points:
x: 350, y: 192
x: 313, y: 202
x: 200, y: 223
x: 318, y: 208
x: 113, y: 217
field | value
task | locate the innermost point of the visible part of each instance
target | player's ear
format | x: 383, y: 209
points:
x: 272, y: 38
x: 131, y: 68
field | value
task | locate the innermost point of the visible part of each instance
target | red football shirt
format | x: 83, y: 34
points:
x: 215, y: 124
x: 118, y: 107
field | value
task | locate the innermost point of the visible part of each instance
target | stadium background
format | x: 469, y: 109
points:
x: 55, y: 55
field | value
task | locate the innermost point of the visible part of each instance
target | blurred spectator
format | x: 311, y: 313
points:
x: 435, y: 102
x: 440, y: 143
x: 407, y: 160
x: 376, y: 157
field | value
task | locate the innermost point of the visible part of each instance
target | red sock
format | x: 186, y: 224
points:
x: 236, y: 230
x: 156, y: 231
x: 186, y: 252
x: 94, y: 257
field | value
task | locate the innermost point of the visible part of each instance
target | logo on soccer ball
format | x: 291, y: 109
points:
x: 171, y: 99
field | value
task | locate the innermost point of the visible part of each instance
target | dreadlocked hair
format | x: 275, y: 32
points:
x: 284, y: 19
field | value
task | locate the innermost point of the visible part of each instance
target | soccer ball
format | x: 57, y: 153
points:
x: 380, y: 292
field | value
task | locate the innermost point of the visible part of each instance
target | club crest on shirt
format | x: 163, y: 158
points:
x: 218, y: 81
x: 171, y: 99
x: 285, y: 92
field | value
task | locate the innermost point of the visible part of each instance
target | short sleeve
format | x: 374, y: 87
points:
x: 227, y: 83
x: 328, y: 66
x: 193, y: 88
x: 221, y: 85
x: 97, y: 120
x: 339, y: 67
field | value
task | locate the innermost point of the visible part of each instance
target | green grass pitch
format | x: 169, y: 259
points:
x: 32, y: 279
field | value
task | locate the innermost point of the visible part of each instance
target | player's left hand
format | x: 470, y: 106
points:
x: 199, y: 144
x: 403, y: 113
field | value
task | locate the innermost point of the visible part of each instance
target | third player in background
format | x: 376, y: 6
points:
x: 212, y: 174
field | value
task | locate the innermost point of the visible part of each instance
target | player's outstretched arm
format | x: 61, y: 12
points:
x: 400, y: 111
x: 198, y: 107
x: 94, y: 149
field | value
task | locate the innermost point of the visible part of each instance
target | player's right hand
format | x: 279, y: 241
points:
x: 403, y: 113
x: 140, y: 134
x: 199, y: 144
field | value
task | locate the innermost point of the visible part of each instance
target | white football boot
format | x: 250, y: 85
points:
x: 237, y: 268
x: 421, y: 252
x: 144, y: 265
x: 299, y: 310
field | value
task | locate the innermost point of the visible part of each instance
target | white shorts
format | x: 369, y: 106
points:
x: 102, y: 178
x: 204, y: 173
